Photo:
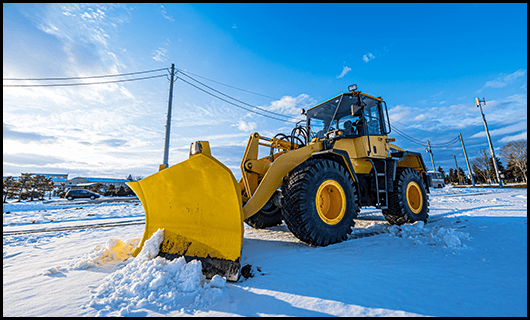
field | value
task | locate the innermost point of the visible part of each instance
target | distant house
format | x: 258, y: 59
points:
x: 82, y: 182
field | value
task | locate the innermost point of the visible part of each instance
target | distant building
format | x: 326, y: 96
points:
x: 61, y: 179
x: 82, y: 182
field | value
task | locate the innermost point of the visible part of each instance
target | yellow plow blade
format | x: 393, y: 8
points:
x: 198, y: 204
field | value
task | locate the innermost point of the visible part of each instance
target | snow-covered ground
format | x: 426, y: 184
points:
x: 470, y: 259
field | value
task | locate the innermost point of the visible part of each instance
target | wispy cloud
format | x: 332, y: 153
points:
x: 517, y: 127
x: 344, y: 72
x: 504, y: 80
x: 368, y: 57
x: 30, y: 159
x: 165, y: 15
x: 114, y: 142
x: 291, y: 105
x: 246, y: 126
x: 160, y: 54
x: 86, y: 32
x: 9, y: 133
x: 522, y: 135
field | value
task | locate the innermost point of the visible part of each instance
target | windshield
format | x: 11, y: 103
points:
x: 353, y: 114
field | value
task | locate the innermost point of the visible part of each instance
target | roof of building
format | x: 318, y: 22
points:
x: 102, y: 179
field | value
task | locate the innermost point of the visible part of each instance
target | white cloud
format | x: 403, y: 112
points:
x: 234, y: 26
x: 368, y: 57
x: 345, y: 71
x: 522, y: 135
x: 503, y: 80
x: 291, y: 105
x: 246, y: 126
x: 160, y: 53
x: 504, y: 130
x: 165, y: 15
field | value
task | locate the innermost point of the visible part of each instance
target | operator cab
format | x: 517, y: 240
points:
x: 348, y: 115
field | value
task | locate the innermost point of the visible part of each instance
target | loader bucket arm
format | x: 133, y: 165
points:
x: 262, y: 177
x: 198, y: 204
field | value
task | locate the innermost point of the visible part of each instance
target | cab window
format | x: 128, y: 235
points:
x: 372, y: 120
x: 349, y: 125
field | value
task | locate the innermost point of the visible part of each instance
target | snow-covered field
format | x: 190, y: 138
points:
x: 470, y: 259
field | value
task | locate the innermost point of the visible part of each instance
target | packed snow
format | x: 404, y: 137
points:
x: 469, y: 259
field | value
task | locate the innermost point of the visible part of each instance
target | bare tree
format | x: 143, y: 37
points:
x: 9, y: 186
x: 481, y: 166
x: 516, y: 152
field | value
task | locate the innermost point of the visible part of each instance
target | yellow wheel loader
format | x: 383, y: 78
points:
x: 316, y: 179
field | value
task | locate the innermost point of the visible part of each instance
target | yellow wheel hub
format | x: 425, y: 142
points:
x: 331, y: 202
x: 414, y: 197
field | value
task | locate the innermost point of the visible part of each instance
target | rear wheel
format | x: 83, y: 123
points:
x: 319, y: 202
x: 409, y: 201
x: 269, y: 216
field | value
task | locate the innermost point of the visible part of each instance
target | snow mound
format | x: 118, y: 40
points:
x: 436, y: 235
x: 152, y: 245
x: 156, y: 283
x: 114, y: 250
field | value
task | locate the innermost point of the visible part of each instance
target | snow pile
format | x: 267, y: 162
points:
x: 436, y: 235
x: 114, y: 250
x: 152, y: 245
x: 156, y: 283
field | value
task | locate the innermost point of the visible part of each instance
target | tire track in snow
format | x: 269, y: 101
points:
x: 90, y: 226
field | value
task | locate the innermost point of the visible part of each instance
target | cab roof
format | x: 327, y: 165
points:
x: 342, y: 105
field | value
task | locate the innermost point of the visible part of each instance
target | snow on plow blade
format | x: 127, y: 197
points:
x: 198, y: 204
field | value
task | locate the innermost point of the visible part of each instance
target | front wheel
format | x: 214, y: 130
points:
x: 319, y: 202
x: 409, y: 201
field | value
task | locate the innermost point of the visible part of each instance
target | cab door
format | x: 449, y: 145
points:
x: 376, y: 138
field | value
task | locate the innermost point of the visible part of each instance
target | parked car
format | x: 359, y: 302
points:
x: 437, y: 179
x: 73, y: 194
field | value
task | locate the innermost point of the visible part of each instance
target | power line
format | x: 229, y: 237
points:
x: 422, y: 143
x: 80, y: 84
x: 404, y: 135
x: 227, y: 85
x: 274, y: 113
x: 236, y: 105
x: 79, y: 78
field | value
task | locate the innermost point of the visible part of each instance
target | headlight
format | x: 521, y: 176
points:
x: 200, y: 147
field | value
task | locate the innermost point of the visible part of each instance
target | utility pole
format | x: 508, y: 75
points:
x: 168, y: 123
x: 430, y: 151
x: 467, y: 160
x: 456, y: 165
x: 478, y: 103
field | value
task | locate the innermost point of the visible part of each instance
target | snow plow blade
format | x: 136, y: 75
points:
x: 198, y: 204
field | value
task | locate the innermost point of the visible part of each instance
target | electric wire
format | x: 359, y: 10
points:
x: 423, y: 143
x: 264, y: 110
x: 79, y: 78
x: 234, y: 104
x: 80, y: 84
x: 227, y: 85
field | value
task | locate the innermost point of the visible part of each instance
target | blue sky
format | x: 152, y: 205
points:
x: 427, y: 61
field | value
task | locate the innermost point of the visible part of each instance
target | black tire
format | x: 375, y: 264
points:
x: 332, y: 221
x: 409, y: 202
x: 269, y: 216
x: 70, y: 198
